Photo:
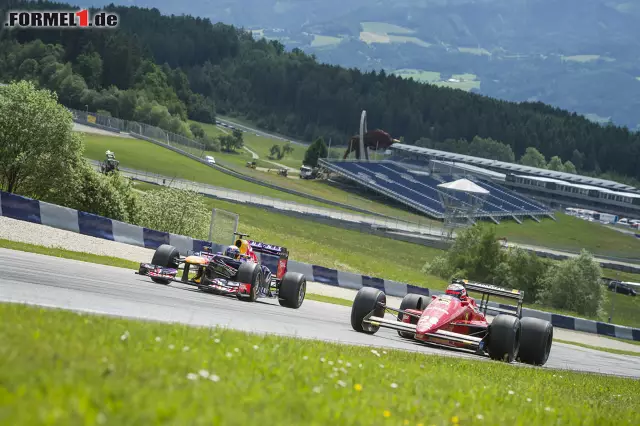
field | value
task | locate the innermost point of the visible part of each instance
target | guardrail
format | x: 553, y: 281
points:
x: 30, y: 210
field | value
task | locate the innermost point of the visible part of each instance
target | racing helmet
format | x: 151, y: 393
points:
x: 457, y: 290
x: 232, y: 252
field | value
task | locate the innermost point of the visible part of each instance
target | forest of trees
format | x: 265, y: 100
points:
x: 168, y: 68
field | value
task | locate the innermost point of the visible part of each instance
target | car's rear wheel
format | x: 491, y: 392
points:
x: 537, y: 336
x: 166, y: 256
x: 367, y: 299
x: 504, y: 338
x: 292, y: 291
x: 249, y: 273
x: 412, y: 301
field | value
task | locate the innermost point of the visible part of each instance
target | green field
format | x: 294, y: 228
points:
x: 474, y: 51
x: 324, y: 41
x: 467, y: 81
x: 572, y: 234
x: 567, y: 233
x: 408, y: 39
x: 586, y: 58
x: 599, y: 348
x: 61, y: 367
x: 145, y: 156
x: 260, y: 145
x: 384, y: 28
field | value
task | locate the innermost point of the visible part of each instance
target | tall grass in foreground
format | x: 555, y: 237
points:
x: 58, y: 367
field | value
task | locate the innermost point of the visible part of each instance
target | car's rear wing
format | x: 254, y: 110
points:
x: 487, y: 289
x: 258, y: 247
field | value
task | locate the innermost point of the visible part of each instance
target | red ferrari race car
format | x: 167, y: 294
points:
x: 236, y: 272
x: 454, y: 319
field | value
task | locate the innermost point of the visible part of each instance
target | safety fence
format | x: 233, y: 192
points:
x: 27, y: 209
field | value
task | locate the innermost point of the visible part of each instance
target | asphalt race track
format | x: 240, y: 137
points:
x: 63, y: 283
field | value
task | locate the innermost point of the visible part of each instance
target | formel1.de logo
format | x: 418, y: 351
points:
x: 60, y: 19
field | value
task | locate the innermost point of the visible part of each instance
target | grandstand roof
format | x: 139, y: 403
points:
x: 464, y: 185
x: 471, y: 168
x: 576, y: 185
x: 602, y: 183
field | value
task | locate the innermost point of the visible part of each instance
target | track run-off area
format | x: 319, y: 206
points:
x: 81, y: 286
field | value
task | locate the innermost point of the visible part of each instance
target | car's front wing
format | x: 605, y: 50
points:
x: 442, y: 337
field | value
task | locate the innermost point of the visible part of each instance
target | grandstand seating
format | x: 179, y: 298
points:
x: 420, y: 191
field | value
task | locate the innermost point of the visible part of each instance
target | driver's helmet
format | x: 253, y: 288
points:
x: 232, y: 252
x: 457, y: 290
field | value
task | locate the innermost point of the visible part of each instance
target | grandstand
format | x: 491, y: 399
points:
x: 556, y: 189
x: 418, y: 188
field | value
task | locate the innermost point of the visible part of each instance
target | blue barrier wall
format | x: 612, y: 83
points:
x: 22, y: 208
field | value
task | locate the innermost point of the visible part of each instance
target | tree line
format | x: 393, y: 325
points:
x: 195, y: 68
x: 42, y: 158
x: 494, y: 150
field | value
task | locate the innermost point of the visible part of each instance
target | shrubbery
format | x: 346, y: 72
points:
x: 42, y: 159
x: 177, y: 211
x: 572, y: 284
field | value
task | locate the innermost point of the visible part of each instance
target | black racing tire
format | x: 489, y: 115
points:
x: 249, y: 273
x: 367, y: 300
x: 166, y: 256
x: 412, y: 301
x: 292, y: 291
x: 504, y: 338
x: 537, y: 337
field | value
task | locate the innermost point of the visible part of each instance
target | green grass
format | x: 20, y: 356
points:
x: 586, y: 58
x: 67, y: 368
x: 468, y: 81
x: 633, y: 342
x: 408, y: 39
x: 384, y: 28
x: 474, y: 51
x: 324, y: 41
x: 328, y: 299
x: 68, y: 254
x: 572, y: 234
x: 145, y: 156
x: 599, y: 348
x: 258, y: 144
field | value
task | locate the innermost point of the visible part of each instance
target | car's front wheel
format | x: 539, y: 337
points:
x: 249, y: 273
x: 292, y: 291
x: 166, y: 256
x: 504, y: 338
x: 367, y: 299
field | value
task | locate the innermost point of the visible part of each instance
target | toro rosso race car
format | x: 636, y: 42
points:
x: 236, y: 272
x: 455, y: 320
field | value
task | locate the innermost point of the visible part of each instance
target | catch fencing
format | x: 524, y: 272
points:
x: 139, y: 129
x: 224, y: 225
